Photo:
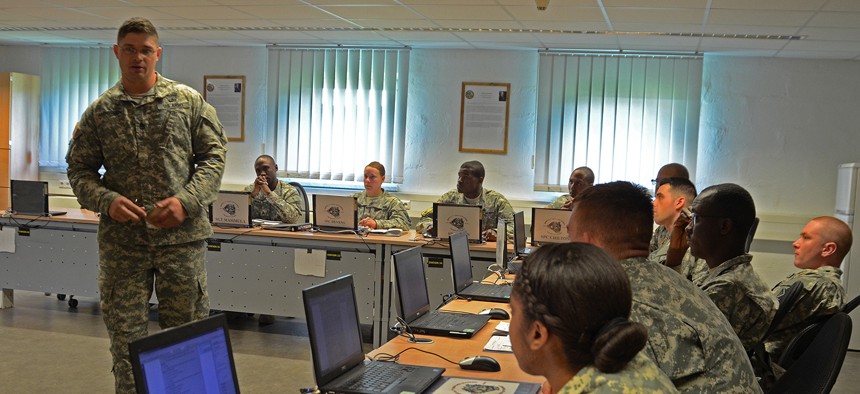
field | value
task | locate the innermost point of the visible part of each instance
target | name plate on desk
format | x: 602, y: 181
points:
x: 334, y: 256
x: 484, y: 386
x: 24, y: 231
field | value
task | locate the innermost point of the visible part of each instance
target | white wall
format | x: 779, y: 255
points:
x: 189, y: 64
x: 21, y: 59
x: 433, y: 119
x: 779, y: 128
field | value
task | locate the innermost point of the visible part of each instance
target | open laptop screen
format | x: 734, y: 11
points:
x: 29, y: 197
x: 335, y: 212
x: 192, y: 358
x: 519, y: 232
x: 411, y: 285
x: 452, y: 218
x: 460, y: 260
x: 333, y: 328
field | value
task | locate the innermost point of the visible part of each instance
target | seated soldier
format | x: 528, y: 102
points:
x: 580, y: 346
x: 674, y: 195
x: 470, y: 191
x: 273, y: 199
x: 688, y: 337
x: 580, y: 179
x: 721, y: 220
x: 378, y: 209
x: 671, y: 170
x: 818, y: 252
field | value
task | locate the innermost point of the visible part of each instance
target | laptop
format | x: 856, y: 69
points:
x: 231, y: 209
x: 452, y: 218
x: 31, y: 198
x: 192, y: 358
x: 520, y: 248
x: 414, y: 302
x: 461, y: 263
x: 335, y: 213
x: 335, y: 336
x: 549, y: 226
x: 502, y: 243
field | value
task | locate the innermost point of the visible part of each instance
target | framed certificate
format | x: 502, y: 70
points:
x: 484, y: 117
x: 227, y: 95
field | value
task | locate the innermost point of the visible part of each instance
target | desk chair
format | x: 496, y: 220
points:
x: 304, y: 195
x: 847, y: 308
x: 751, y: 235
x: 817, y: 368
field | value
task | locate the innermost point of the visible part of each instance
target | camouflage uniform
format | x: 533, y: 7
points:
x: 743, y: 297
x: 494, y: 205
x: 691, y: 268
x: 165, y: 143
x: 558, y: 203
x: 688, y: 338
x: 822, y: 295
x: 386, y: 209
x: 640, y: 375
x: 282, y: 204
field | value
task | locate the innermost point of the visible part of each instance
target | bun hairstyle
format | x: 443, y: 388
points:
x: 378, y: 166
x: 583, y: 296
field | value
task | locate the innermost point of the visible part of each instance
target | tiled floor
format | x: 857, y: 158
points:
x: 45, y: 348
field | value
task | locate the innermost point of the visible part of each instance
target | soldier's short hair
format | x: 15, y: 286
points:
x: 620, y: 214
x: 267, y: 157
x: 731, y: 201
x: 680, y: 187
x: 588, y: 174
x: 836, y: 231
x: 137, y: 25
x: 475, y: 168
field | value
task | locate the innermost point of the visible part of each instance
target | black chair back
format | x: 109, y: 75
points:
x: 786, y: 301
x: 304, y: 195
x: 847, y: 308
x: 817, y: 368
x: 751, y: 235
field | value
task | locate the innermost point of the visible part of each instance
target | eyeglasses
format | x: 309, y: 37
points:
x: 654, y: 182
x: 132, y: 51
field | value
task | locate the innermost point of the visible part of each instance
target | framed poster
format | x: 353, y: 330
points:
x: 484, y: 117
x: 227, y: 94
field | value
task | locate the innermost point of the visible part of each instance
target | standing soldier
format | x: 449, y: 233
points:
x: 163, y: 152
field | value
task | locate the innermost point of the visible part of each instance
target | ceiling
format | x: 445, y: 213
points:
x: 828, y: 29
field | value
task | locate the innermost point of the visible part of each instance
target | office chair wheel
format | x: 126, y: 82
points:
x: 61, y: 297
x: 73, y: 303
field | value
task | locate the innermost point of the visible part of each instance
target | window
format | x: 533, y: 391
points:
x: 337, y: 110
x: 71, y: 79
x: 623, y: 116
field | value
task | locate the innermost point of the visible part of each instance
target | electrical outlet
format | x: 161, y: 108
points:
x: 64, y: 184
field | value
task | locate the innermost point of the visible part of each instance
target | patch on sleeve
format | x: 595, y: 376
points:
x: 77, y: 128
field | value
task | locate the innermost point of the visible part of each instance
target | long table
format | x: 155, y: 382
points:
x: 456, y: 349
x: 249, y: 270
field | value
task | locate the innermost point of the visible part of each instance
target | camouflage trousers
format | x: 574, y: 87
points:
x: 127, y: 275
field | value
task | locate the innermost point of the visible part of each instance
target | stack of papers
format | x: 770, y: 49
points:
x: 498, y: 343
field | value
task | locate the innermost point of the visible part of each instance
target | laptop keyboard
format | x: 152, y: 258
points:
x: 377, y: 376
x: 490, y: 291
x: 448, y: 321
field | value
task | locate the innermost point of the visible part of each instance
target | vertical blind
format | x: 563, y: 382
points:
x: 337, y: 110
x: 622, y: 116
x: 71, y: 79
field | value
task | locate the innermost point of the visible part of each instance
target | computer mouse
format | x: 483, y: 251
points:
x: 480, y: 363
x: 496, y: 313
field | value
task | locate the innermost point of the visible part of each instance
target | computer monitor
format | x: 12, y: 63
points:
x: 31, y: 198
